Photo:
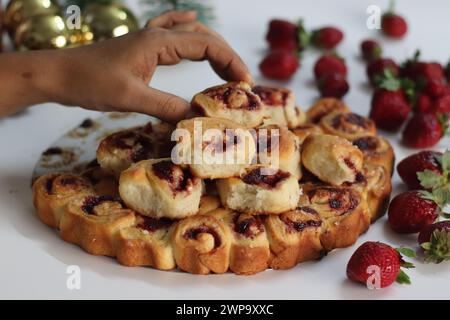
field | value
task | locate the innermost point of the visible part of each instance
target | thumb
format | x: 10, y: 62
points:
x: 160, y: 104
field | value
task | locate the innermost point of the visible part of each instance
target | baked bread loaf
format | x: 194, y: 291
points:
x: 119, y: 150
x: 146, y: 243
x: 159, y: 188
x: 260, y: 190
x: 332, y: 159
x: 53, y: 192
x: 221, y: 150
x: 377, y: 151
x: 348, y: 125
x: 279, y: 107
x: 324, y: 106
x: 92, y: 222
x: 233, y: 101
x: 279, y: 147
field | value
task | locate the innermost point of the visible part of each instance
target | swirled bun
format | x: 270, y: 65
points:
x: 53, y: 192
x: 324, y: 106
x: 279, y: 107
x: 332, y: 159
x: 294, y: 237
x: 260, y: 190
x: 233, y: 101
x: 343, y: 211
x: 146, y: 243
x: 279, y: 147
x: 348, y: 125
x: 93, y: 222
x: 377, y: 151
x: 119, y: 150
x: 201, y: 244
x: 249, y: 250
x: 303, y: 131
x: 223, y: 148
x: 159, y: 188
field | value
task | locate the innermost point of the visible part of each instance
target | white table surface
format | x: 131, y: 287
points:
x: 34, y: 260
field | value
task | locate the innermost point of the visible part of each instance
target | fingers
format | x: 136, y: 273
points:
x: 198, y: 46
x: 194, y: 26
x: 159, y: 104
x: 172, y: 18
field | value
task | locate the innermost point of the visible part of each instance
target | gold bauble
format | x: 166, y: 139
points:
x: 42, y: 32
x: 18, y: 11
x: 109, y: 20
x: 82, y: 36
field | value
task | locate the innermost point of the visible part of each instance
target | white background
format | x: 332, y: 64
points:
x: 33, y: 259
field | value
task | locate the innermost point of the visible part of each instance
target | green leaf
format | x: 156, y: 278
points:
x: 407, y: 252
x: 407, y: 265
x: 388, y: 81
x: 403, y: 278
x: 438, y: 249
x: 444, y: 161
x: 442, y: 196
x: 304, y: 37
x: 431, y: 180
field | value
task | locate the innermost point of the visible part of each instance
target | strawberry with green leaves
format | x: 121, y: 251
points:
x: 424, y: 130
x: 435, y: 241
x: 408, y: 168
x: 389, y: 261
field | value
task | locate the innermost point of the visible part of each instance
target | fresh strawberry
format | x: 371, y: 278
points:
x: 371, y: 50
x: 376, y: 68
x: 423, y: 103
x: 447, y: 72
x: 409, y: 212
x: 392, y: 24
x: 282, y: 34
x: 279, y: 65
x: 410, y: 166
x: 388, y: 260
x: 423, y: 130
x: 389, y: 109
x: 442, y: 105
x: 326, y: 37
x: 333, y: 85
x: 434, y: 239
x: 430, y: 71
x: 329, y: 64
x: 435, y: 88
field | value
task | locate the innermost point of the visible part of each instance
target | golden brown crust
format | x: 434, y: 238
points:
x: 233, y: 101
x: 279, y: 147
x: 279, y: 107
x: 147, y: 243
x: 332, y: 159
x: 294, y: 237
x: 343, y: 211
x: 348, y: 125
x: 303, y: 131
x: 103, y: 183
x: 92, y: 223
x: 119, y: 150
x: 324, y: 106
x: 201, y: 244
x: 377, y: 151
x: 52, y: 193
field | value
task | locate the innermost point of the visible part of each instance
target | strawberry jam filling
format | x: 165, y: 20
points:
x: 193, y: 233
x: 268, y: 181
x: 339, y: 200
x: 271, y: 96
x: 235, y: 98
x: 90, y: 203
x: 248, y: 227
x: 349, y: 122
x: 153, y: 224
x: 178, y: 178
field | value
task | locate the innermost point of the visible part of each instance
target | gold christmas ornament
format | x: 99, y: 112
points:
x: 82, y: 36
x: 42, y: 32
x: 109, y: 20
x: 19, y: 11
